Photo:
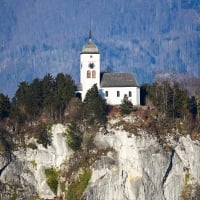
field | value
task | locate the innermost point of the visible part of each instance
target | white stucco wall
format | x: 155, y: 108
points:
x: 112, y: 98
x: 87, y: 83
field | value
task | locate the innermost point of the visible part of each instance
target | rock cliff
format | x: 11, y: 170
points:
x: 24, y: 176
x: 139, y: 167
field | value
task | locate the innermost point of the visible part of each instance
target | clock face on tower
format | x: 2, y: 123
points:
x: 91, y: 65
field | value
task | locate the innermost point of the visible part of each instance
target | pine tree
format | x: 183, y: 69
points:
x: 95, y: 107
x: 74, y: 137
x: 20, y: 98
x: 64, y: 91
x: 34, y: 100
x: 4, y: 106
x: 193, y: 107
x: 48, y: 89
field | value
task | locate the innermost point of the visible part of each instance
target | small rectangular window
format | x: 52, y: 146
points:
x: 118, y: 94
x: 130, y: 94
x: 106, y: 93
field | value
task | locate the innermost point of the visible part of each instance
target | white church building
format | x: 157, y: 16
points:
x: 112, y: 86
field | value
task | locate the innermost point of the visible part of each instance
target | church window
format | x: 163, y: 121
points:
x: 93, y: 74
x: 88, y: 74
x: 130, y: 94
x: 106, y: 93
x: 118, y: 94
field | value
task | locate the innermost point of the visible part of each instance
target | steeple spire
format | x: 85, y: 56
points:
x: 90, y: 35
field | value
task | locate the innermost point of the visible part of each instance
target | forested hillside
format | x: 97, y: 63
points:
x: 143, y: 37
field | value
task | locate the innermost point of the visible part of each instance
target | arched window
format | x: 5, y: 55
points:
x: 93, y: 74
x: 88, y: 74
x: 118, y: 94
x: 130, y: 94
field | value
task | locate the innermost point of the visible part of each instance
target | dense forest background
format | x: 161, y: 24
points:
x: 147, y: 38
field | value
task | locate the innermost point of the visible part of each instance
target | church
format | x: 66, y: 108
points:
x: 112, y: 86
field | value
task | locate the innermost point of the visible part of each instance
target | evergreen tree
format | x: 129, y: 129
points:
x: 44, y: 137
x: 95, y: 107
x: 48, y: 89
x: 6, y: 146
x: 35, y: 99
x: 193, y: 107
x: 20, y: 98
x: 143, y: 94
x: 4, y: 106
x: 74, y: 137
x: 69, y: 88
x: 64, y: 91
x: 126, y: 106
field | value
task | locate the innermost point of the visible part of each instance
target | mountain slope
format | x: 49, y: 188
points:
x: 39, y: 37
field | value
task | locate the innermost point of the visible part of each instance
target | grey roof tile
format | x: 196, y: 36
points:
x: 118, y: 80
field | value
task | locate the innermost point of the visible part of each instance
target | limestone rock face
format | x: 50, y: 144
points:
x: 141, y: 169
x: 26, y: 170
x: 137, y: 167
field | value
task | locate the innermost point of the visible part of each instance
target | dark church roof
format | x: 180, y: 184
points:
x: 118, y: 80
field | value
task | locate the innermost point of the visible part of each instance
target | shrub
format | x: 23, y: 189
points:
x: 6, y: 144
x: 34, y: 164
x: 74, y: 137
x: 186, y: 192
x: 32, y: 146
x: 52, y: 176
x: 44, y: 137
x: 126, y: 107
x: 78, y: 186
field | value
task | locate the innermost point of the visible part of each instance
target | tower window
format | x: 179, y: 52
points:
x: 88, y: 74
x: 93, y: 74
x: 130, y: 94
x: 118, y: 94
x: 106, y: 93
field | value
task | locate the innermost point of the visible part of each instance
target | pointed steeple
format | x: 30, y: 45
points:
x: 90, y: 34
x: 90, y: 47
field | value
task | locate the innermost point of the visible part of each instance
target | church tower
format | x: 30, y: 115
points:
x: 89, y: 66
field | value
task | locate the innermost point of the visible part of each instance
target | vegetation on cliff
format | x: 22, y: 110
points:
x: 50, y: 100
x: 52, y: 176
x: 167, y: 109
x: 78, y: 186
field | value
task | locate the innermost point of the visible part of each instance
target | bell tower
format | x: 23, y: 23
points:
x: 89, y: 66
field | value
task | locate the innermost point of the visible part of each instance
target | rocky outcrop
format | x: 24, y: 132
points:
x: 140, y: 168
x: 24, y: 176
x: 137, y: 167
